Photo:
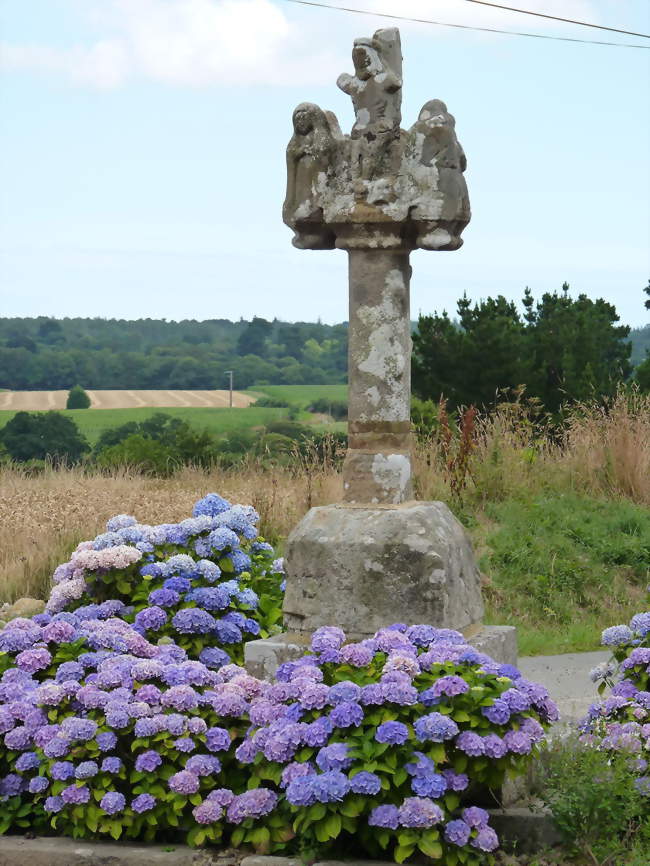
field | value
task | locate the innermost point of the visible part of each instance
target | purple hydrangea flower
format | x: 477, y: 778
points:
x: 475, y: 817
x: 356, y: 655
x: 365, y: 783
x: 449, y: 686
x: 251, y: 804
x: 393, y: 733
x: 203, y: 765
x: 217, y: 739
x: 429, y: 785
x: 494, y: 746
x: 76, y: 795
x: 38, y: 784
x: 193, y: 620
x: 113, y: 802
x: 330, y: 787
x: 334, y: 757
x: 498, y: 712
x: 518, y: 742
x: 86, y: 770
x: 420, y: 813
x: 147, y: 762
x: 486, y: 840
x: 32, y: 660
x: 458, y: 833
x: 384, y: 816
x: 27, y: 761
x: 346, y: 715
x: 143, y: 803
x: 435, y: 727
x: 207, y: 812
x: 184, y: 783
x: 617, y: 635
x: 62, y: 770
x: 470, y: 743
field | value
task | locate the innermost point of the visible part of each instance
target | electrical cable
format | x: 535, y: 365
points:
x: 319, y: 5
x: 557, y: 18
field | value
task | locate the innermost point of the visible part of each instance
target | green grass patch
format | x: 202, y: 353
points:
x: 302, y: 395
x: 92, y: 422
x: 561, y: 568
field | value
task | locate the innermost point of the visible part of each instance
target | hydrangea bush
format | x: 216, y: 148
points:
x: 385, y: 741
x: 206, y: 582
x: 122, y: 712
x: 620, y: 722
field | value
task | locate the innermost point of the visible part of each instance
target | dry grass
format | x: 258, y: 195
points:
x: 42, y: 517
x: 604, y: 452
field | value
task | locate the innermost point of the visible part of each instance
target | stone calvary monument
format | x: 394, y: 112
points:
x: 380, y: 193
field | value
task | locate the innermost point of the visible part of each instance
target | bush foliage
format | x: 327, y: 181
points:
x: 77, y: 398
x: 123, y: 710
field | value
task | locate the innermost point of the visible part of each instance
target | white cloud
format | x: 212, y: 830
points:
x: 200, y: 43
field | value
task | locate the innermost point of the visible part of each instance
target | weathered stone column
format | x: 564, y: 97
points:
x: 377, y: 468
x: 381, y: 192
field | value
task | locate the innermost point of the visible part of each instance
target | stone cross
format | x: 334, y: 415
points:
x: 378, y: 558
x: 378, y: 194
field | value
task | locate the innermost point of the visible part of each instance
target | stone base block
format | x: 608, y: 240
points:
x: 263, y: 657
x: 497, y: 641
x: 364, y: 567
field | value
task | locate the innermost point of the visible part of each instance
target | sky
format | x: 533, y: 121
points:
x: 142, y: 154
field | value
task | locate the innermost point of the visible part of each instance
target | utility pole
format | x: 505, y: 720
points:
x: 230, y: 373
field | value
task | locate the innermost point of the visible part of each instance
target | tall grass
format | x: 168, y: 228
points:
x: 533, y: 497
x: 600, y: 449
x: 43, y: 516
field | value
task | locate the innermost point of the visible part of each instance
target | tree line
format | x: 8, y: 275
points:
x: 114, y: 354
x: 560, y: 350
x: 559, y: 347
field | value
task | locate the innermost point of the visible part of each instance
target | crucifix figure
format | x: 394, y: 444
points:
x: 378, y: 194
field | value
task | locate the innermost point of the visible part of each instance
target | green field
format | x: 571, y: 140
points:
x: 302, y: 395
x: 92, y: 422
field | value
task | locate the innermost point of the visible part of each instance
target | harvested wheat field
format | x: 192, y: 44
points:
x: 33, y: 401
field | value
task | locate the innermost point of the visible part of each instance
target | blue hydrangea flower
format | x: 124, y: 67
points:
x: 435, y: 727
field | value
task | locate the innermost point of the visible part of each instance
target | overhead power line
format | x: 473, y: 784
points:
x: 319, y: 5
x: 557, y: 18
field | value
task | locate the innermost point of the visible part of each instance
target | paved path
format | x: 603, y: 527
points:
x: 567, y: 679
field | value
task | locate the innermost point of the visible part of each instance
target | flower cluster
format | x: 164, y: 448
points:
x: 385, y: 738
x: 206, y: 582
x: 620, y: 721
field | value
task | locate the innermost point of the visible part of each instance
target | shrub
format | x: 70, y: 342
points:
x: 43, y: 436
x: 272, y: 403
x: 108, y: 734
x: 157, y: 446
x: 385, y: 742
x: 207, y: 581
x: 77, y: 398
x: 338, y: 409
x: 593, y: 799
x: 619, y: 725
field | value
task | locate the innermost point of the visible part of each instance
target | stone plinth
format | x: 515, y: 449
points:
x: 362, y: 568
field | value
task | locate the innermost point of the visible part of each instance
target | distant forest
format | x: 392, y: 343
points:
x: 55, y: 354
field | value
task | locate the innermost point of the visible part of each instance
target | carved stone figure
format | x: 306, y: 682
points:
x: 435, y: 163
x: 311, y: 159
x: 376, y: 92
